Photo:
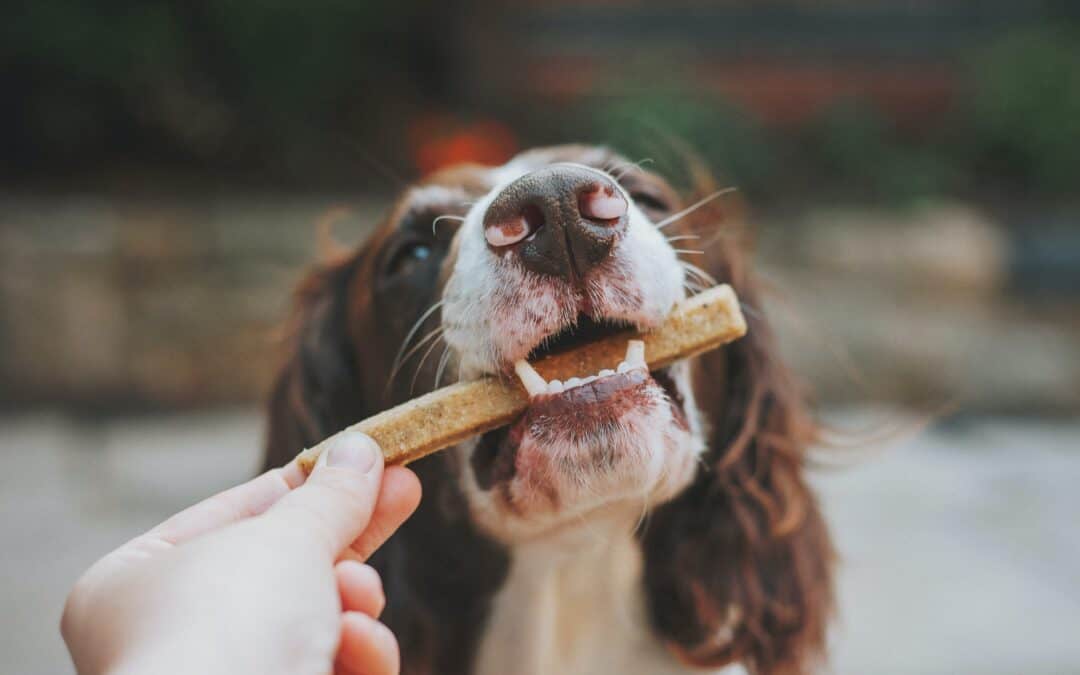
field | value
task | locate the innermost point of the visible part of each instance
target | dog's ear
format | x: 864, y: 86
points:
x: 317, y: 390
x: 737, y: 567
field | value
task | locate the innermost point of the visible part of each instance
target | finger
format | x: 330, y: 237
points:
x: 360, y: 588
x: 336, y: 502
x: 398, y: 498
x: 243, y: 501
x: 367, y: 647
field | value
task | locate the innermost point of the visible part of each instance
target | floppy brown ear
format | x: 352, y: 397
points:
x: 737, y: 567
x: 317, y: 389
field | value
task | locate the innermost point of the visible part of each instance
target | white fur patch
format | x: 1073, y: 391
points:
x: 573, y: 604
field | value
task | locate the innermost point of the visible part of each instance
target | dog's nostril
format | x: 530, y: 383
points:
x: 506, y: 232
x: 533, y: 217
x: 511, y: 231
x: 602, y: 203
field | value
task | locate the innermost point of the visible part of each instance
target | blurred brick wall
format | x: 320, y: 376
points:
x: 149, y: 301
x: 786, y: 60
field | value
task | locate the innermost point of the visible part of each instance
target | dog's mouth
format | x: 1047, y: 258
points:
x: 572, y: 422
x: 584, y: 329
x: 588, y: 389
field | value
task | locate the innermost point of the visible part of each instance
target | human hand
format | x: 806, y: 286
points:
x: 265, y: 578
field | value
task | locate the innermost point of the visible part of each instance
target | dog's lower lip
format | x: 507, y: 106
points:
x: 495, y: 457
x: 596, y: 391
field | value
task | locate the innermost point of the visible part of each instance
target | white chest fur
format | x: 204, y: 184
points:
x: 573, y: 604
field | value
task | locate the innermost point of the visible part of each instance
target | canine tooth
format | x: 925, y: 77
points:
x: 533, y: 381
x: 606, y: 371
x: 623, y: 367
x: 555, y: 387
x: 635, y: 353
x: 588, y: 379
x: 573, y: 382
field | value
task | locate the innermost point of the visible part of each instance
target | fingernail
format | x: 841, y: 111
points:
x: 352, y: 450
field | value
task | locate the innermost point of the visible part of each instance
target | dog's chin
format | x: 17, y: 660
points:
x: 620, y: 443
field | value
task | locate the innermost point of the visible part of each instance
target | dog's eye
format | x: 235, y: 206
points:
x: 408, y: 257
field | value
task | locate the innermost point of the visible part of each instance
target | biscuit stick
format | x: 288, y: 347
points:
x: 452, y: 414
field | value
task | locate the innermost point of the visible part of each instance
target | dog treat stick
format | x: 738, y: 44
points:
x: 452, y: 414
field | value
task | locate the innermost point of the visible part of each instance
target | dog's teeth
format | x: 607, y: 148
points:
x: 635, y: 353
x: 534, y: 383
x: 607, y: 371
x: 573, y: 382
x: 555, y: 387
x: 623, y: 367
x: 588, y: 379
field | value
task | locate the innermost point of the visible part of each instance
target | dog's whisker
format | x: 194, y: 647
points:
x: 693, y: 288
x: 701, y: 284
x: 420, y: 366
x: 415, y: 327
x: 631, y: 167
x: 720, y: 233
x: 447, y: 216
x: 443, y: 360
x: 646, y: 492
x: 752, y: 311
x: 688, y: 250
x: 681, y: 237
x: 695, y: 278
x: 697, y: 271
x: 693, y: 207
x: 432, y: 335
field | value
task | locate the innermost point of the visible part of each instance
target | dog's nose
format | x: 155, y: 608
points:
x: 562, y: 219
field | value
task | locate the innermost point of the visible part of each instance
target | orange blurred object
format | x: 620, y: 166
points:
x: 439, y: 141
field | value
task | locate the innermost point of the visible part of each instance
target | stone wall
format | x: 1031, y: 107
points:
x: 921, y: 308
x: 153, y: 301
x: 172, y: 302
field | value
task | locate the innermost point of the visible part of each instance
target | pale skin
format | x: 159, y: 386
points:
x: 267, y: 577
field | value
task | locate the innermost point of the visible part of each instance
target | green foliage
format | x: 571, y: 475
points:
x: 295, y: 55
x: 1025, y: 108
x: 105, y: 46
x: 304, y: 48
x: 158, y: 68
x: 850, y: 138
x: 855, y: 146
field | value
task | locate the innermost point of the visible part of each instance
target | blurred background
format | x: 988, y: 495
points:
x: 909, y: 166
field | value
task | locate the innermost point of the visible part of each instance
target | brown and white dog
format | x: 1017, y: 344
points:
x: 629, y: 522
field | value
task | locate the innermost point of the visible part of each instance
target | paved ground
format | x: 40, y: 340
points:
x: 960, y: 546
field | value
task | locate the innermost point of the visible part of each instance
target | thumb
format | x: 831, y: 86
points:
x: 338, y: 498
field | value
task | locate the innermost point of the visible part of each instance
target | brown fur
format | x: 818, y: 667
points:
x: 747, y: 534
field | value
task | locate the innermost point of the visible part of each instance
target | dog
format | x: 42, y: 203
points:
x: 629, y: 522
